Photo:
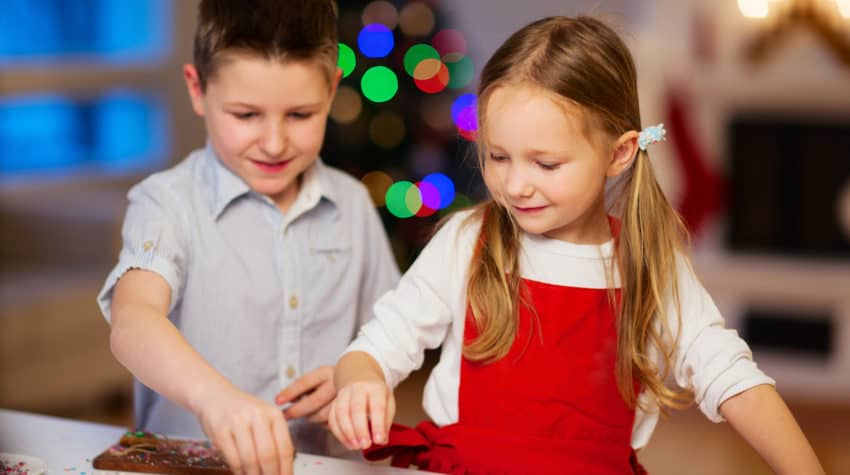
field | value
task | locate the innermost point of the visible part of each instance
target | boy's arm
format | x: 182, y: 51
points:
x: 151, y: 347
x: 761, y: 417
x: 251, y: 433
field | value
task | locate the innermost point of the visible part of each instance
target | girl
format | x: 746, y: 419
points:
x: 558, y: 321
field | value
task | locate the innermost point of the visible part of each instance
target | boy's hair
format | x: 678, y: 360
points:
x: 584, y: 62
x: 273, y: 29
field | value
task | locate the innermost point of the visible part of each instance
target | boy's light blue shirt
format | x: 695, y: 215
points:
x: 263, y: 296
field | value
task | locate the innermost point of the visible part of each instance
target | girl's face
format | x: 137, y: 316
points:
x: 546, y: 167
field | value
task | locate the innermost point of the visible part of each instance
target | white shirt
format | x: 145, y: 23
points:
x: 263, y: 296
x: 428, y: 309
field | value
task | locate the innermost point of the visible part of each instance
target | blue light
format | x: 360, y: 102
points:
x: 51, y: 133
x: 444, y: 185
x: 375, y: 40
x: 129, y: 130
x: 40, y: 132
x: 116, y: 31
x: 464, y: 111
x: 133, y: 30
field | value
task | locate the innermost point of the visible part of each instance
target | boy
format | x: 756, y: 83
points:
x: 249, y: 266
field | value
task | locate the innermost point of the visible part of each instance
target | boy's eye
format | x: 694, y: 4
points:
x: 301, y: 115
x: 244, y: 115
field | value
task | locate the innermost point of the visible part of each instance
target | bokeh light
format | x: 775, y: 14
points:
x: 430, y: 196
x: 431, y: 76
x: 445, y: 189
x: 379, y: 84
x: 460, y: 202
x: 347, y: 60
x: 416, y: 20
x: 449, y: 41
x: 436, y: 112
x: 464, y: 112
x: 375, y: 40
x: 416, y: 54
x: 377, y: 183
x: 382, y: 12
x: 347, y: 105
x: 399, y: 198
x: 387, y: 130
x: 461, y: 70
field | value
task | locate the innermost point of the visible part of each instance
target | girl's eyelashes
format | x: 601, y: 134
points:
x: 497, y: 158
x: 548, y: 166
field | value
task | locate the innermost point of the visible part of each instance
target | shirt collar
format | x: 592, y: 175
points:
x: 224, y: 186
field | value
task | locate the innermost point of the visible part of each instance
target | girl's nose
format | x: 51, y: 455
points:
x: 517, y: 185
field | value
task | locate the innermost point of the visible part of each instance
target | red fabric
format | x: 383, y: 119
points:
x: 704, y: 189
x: 550, y: 406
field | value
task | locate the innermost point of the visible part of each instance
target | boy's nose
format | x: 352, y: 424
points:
x: 275, y: 141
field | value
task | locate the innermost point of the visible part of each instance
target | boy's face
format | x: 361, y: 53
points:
x: 265, y: 118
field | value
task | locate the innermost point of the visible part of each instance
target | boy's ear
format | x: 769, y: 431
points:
x: 623, y: 153
x: 193, y: 85
x: 335, y: 82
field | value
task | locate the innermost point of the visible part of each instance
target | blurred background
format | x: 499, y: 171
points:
x: 755, y: 95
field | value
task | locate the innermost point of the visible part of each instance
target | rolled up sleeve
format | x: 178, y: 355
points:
x: 151, y: 241
x: 711, y: 360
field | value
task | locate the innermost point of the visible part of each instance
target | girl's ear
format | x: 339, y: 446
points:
x: 193, y: 85
x: 623, y: 153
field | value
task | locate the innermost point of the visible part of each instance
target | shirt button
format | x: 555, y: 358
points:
x: 147, y: 245
x: 293, y: 302
x: 290, y: 372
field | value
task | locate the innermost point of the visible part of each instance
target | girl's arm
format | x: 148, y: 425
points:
x: 363, y: 399
x: 761, y: 417
x: 246, y: 429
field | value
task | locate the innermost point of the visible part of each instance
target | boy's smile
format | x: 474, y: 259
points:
x: 265, y: 119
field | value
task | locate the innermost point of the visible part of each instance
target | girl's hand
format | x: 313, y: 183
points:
x: 358, y: 406
x: 310, y: 394
x: 251, y: 434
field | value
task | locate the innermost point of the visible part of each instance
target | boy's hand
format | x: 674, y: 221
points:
x: 358, y: 406
x: 251, y: 434
x: 310, y: 395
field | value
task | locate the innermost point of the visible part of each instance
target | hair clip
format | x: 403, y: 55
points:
x: 651, y: 135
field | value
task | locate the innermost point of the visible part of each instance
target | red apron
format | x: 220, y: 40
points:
x: 550, y: 406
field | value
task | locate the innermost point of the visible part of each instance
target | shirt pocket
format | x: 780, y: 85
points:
x: 331, y: 280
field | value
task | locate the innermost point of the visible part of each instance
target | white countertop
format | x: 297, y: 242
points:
x: 68, y: 446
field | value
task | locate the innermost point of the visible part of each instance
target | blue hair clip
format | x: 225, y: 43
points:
x: 651, y: 135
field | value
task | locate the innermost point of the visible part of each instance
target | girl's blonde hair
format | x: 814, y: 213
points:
x: 584, y: 62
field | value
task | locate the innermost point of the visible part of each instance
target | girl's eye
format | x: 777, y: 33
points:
x: 244, y: 115
x: 498, y: 158
x: 548, y: 166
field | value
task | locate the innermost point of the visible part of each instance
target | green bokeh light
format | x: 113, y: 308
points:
x: 397, y: 199
x: 347, y: 60
x: 413, y: 199
x: 379, y: 84
x: 460, y: 72
x: 460, y: 202
x: 416, y: 54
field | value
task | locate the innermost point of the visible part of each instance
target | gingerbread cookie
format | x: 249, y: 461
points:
x: 139, y: 451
